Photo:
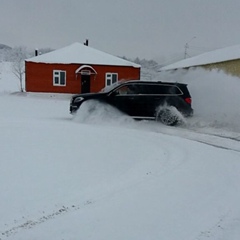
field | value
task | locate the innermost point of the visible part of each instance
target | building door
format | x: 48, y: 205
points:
x: 85, y: 83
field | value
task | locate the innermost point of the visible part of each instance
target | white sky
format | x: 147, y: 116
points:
x: 146, y: 29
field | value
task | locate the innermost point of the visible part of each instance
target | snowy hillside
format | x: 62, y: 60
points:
x: 105, y: 176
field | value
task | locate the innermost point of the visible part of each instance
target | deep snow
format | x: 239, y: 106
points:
x: 105, y: 176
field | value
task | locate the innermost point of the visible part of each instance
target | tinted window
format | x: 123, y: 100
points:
x: 136, y: 89
x: 148, y: 89
x: 174, y: 90
x: 163, y: 89
x: 125, y: 89
x: 128, y: 89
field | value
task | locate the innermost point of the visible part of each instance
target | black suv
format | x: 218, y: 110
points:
x: 163, y: 101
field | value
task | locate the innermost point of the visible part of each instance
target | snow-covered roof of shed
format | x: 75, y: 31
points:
x: 219, y: 55
x: 80, y: 54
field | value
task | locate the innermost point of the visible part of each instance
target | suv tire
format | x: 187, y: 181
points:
x: 167, y: 116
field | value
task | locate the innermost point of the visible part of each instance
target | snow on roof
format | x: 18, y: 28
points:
x: 219, y: 55
x: 79, y: 53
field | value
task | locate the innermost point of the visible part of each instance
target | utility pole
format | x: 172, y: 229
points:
x: 187, y: 46
x: 185, y: 52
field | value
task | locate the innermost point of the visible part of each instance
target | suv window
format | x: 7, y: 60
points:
x: 137, y: 88
x: 163, y: 89
x: 123, y: 90
x: 174, y: 90
x: 153, y: 89
x: 148, y: 89
x: 130, y: 89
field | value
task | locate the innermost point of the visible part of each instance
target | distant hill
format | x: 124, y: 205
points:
x: 3, y: 46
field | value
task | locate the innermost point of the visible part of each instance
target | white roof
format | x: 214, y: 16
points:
x: 81, y: 54
x: 219, y: 55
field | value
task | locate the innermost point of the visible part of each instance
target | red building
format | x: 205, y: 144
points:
x: 76, y: 69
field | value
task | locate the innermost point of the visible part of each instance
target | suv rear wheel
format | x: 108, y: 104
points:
x: 167, y: 116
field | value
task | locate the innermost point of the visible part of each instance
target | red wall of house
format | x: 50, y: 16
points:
x: 39, y: 77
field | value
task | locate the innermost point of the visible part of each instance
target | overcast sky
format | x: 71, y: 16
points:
x: 151, y: 29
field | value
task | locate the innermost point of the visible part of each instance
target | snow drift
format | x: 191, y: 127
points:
x: 215, y: 97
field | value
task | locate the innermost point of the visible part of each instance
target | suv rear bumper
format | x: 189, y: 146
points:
x: 188, y: 113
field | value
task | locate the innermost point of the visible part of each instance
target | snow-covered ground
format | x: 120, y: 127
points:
x: 104, y: 176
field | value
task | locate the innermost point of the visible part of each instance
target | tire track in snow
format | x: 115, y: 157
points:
x: 225, y: 140
x: 32, y: 223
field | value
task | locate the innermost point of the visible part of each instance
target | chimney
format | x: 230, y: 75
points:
x: 86, y: 43
x: 36, y: 52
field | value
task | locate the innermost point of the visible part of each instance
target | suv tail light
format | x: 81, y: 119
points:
x: 188, y: 100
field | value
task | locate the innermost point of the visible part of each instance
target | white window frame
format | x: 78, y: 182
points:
x: 110, y: 78
x: 57, y: 74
